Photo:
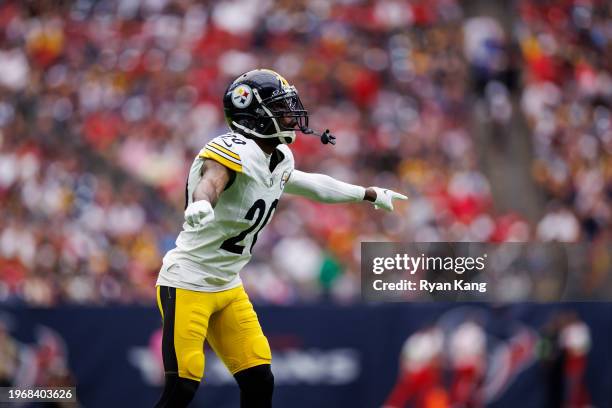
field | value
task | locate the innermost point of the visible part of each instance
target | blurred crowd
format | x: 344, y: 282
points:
x: 104, y: 104
x: 567, y: 100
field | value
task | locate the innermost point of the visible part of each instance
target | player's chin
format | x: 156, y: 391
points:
x: 272, y: 141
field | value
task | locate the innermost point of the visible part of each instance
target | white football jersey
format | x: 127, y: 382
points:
x: 211, y: 258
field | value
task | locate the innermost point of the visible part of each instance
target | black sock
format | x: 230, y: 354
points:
x: 178, y: 392
x: 256, y: 386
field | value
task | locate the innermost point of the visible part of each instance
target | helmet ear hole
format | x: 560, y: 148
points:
x: 245, y: 120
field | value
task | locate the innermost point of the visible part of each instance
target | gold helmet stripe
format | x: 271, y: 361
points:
x: 279, y: 76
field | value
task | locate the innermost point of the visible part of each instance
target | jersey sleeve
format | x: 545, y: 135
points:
x: 227, y: 154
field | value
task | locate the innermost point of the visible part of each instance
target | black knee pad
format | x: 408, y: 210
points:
x: 178, y: 392
x: 256, y: 386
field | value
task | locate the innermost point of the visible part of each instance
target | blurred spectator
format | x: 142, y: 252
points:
x: 563, y: 350
x: 420, y: 382
x: 468, y: 350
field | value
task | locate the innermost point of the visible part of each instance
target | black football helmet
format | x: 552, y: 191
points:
x: 261, y: 103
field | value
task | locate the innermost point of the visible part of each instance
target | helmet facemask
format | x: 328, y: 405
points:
x: 281, y: 115
x: 287, y: 109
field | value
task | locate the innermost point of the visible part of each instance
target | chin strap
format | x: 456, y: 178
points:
x: 283, y: 135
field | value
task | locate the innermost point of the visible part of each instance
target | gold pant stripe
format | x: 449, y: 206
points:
x: 159, y: 304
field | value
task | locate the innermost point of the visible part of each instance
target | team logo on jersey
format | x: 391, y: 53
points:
x: 242, y: 96
x: 284, y: 178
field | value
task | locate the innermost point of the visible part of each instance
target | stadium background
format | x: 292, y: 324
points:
x: 494, y: 117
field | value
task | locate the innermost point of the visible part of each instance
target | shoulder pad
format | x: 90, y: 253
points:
x: 226, y: 150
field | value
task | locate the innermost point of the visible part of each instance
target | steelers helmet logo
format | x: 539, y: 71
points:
x: 242, y: 96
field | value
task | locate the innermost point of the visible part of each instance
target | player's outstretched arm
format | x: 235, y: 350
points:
x: 215, y: 177
x: 326, y: 189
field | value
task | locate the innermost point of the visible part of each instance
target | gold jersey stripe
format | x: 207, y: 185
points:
x: 224, y: 150
x: 209, y: 154
x: 222, y: 154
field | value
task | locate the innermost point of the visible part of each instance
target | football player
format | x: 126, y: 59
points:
x: 233, y: 188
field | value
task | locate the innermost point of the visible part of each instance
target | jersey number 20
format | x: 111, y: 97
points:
x: 258, y: 208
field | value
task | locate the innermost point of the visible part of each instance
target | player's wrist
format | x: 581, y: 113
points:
x: 200, y: 205
x: 370, y: 195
